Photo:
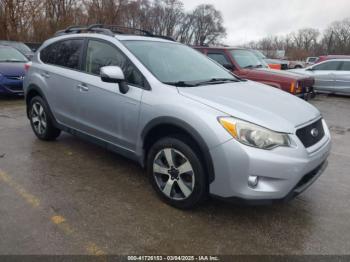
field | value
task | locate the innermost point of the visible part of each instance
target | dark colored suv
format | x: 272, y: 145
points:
x: 245, y: 64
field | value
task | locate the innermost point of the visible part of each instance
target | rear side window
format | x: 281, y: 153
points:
x: 220, y: 58
x: 328, y: 66
x: 345, y: 66
x: 64, y: 53
x: 100, y: 54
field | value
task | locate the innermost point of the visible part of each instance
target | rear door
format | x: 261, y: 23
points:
x: 324, y: 75
x: 60, y: 73
x: 342, y: 78
x: 104, y: 111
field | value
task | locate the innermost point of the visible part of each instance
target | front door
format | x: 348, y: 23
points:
x: 104, y: 111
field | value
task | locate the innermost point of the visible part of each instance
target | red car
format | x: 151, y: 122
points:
x: 330, y: 57
x: 245, y: 64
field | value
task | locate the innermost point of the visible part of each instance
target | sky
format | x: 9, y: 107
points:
x: 247, y: 20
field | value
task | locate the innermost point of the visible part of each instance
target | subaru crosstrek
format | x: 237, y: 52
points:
x: 198, y: 129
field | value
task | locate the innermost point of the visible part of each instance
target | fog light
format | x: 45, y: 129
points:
x: 253, y: 181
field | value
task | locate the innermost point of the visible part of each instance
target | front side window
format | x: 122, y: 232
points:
x: 220, y: 58
x: 247, y: 59
x: 100, y: 54
x: 9, y: 54
x: 64, y: 53
x: 173, y: 62
x: 327, y: 66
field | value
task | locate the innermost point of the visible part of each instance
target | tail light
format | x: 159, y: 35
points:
x: 27, y: 66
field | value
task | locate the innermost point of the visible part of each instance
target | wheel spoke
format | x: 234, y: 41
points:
x: 168, y: 187
x: 41, y: 110
x: 43, y: 123
x: 39, y: 127
x: 185, y: 168
x: 36, y: 111
x: 160, y: 170
x: 169, y: 156
x: 35, y: 119
x: 185, y: 190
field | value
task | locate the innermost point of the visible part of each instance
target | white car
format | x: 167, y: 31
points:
x: 332, y: 76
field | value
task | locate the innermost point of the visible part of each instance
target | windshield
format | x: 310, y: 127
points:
x: 259, y: 54
x: 18, y: 45
x: 173, y: 63
x: 8, y: 54
x: 248, y: 59
x: 312, y: 59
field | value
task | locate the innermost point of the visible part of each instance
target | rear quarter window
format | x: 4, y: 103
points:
x: 65, y: 53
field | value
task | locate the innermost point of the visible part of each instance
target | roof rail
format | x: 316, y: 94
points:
x: 110, y: 30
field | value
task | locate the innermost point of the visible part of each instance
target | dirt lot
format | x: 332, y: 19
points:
x: 71, y: 197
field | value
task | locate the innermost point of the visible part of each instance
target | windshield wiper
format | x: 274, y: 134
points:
x: 180, y: 84
x: 217, y: 81
x: 11, y: 61
x: 249, y: 66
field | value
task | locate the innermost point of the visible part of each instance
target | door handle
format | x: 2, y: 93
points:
x: 83, y: 87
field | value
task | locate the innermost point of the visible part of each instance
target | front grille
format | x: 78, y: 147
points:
x: 311, y: 134
x: 20, y: 78
x: 307, y: 85
x: 284, y: 66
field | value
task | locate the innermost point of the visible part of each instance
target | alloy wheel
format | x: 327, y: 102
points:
x: 173, y: 174
x: 38, y: 118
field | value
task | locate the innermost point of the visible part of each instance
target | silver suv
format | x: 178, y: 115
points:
x: 198, y: 129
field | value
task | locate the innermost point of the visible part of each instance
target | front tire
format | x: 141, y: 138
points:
x: 40, y: 120
x: 176, y: 172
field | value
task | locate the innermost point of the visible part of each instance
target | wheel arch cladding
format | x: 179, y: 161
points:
x: 33, y: 91
x: 166, y: 126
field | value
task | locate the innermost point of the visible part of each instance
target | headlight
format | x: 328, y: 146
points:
x: 253, y: 135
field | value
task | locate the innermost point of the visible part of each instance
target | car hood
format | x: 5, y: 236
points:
x: 255, y: 103
x: 270, y: 73
x: 12, y: 69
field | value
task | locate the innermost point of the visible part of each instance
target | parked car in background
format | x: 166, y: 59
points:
x: 12, y: 64
x: 33, y: 46
x: 197, y: 128
x: 273, y: 63
x: 331, y: 57
x: 332, y: 76
x: 310, y: 61
x: 24, y: 49
x: 296, y: 64
x: 245, y: 64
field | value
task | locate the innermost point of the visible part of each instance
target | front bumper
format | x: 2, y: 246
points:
x: 283, y: 172
x: 11, y: 87
x: 308, y: 94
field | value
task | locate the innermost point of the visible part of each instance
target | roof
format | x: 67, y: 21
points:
x: 220, y: 47
x: 141, y: 38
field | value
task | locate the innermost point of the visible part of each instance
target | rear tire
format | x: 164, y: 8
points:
x: 40, y: 120
x: 176, y: 172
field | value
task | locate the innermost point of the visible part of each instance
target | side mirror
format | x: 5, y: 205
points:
x: 114, y: 74
x: 310, y: 69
